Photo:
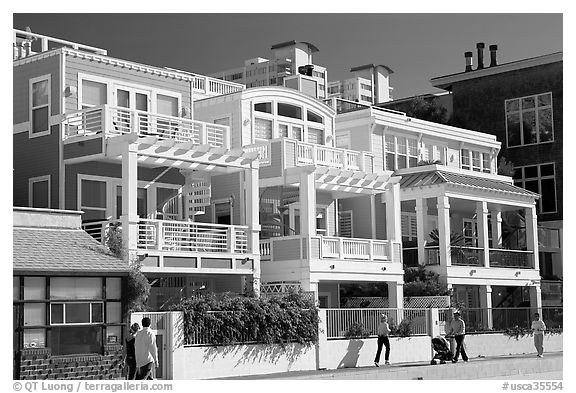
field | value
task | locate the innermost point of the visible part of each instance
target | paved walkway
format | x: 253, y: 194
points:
x: 527, y: 367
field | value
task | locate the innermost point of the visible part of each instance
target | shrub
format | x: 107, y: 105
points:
x: 234, y: 319
x: 404, y: 329
x: 357, y: 330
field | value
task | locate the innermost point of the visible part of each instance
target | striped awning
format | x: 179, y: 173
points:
x: 432, y: 178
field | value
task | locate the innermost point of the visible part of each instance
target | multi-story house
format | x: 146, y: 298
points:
x: 291, y: 65
x: 369, y: 85
x: 449, y: 185
x: 119, y: 141
x: 520, y: 102
x: 315, y: 235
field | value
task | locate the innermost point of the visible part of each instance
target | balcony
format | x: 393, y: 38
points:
x: 473, y: 256
x: 298, y: 153
x: 110, y: 121
x: 332, y: 248
x: 510, y: 258
x: 180, y: 236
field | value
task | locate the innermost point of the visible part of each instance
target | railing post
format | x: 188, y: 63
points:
x: 370, y: 250
x: 203, y: 134
x: 160, y: 235
x: 391, y: 251
x: 362, y: 161
x: 231, y: 246
x: 103, y: 228
x: 345, y: 159
x: 135, y: 125
x: 106, y: 119
x: 314, y: 153
x: 341, y: 248
x: 44, y: 42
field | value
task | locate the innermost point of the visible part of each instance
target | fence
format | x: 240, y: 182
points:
x: 339, y: 320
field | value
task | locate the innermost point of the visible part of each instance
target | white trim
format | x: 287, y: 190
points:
x: 31, y: 82
x: 21, y: 127
x: 39, y: 179
x: 61, y: 165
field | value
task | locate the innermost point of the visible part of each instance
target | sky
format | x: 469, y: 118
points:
x: 417, y: 47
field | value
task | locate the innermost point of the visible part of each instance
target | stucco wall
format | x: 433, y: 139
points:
x: 238, y: 360
x: 498, y: 344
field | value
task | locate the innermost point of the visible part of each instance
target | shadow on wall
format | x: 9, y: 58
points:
x: 257, y: 353
x: 352, y: 354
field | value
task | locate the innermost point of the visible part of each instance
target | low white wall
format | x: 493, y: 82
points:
x: 238, y: 360
x: 497, y: 344
x: 361, y: 352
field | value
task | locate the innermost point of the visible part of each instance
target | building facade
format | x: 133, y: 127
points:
x: 291, y: 65
x: 369, y: 85
x: 521, y: 103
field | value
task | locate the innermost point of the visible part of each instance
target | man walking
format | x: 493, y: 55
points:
x: 538, y: 328
x: 458, y: 329
x: 146, y: 351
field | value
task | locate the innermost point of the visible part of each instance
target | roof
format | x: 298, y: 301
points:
x: 441, y: 177
x: 445, y: 81
x: 362, y: 67
x: 312, y: 47
x: 50, y: 251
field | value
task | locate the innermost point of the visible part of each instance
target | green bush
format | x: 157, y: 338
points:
x: 234, y: 319
x: 404, y: 329
x: 357, y: 330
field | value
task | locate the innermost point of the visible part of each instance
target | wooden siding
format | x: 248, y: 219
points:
x: 76, y: 65
x: 275, y: 168
x: 33, y: 158
x: 20, y: 91
x: 287, y: 250
x: 226, y: 108
x: 315, y: 248
x: 378, y: 148
x: 361, y: 219
x: 82, y: 148
x: 105, y: 169
x: 380, y: 218
x: 224, y: 186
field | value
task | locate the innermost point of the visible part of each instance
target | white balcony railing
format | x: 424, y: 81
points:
x: 24, y: 40
x: 111, y: 121
x: 329, y: 247
x: 347, y: 248
x: 165, y: 235
x: 182, y: 236
x: 309, y: 153
x: 263, y: 150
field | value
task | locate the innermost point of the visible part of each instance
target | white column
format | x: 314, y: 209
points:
x: 496, y: 218
x: 393, y: 228
x: 253, y: 221
x: 486, y: 305
x: 307, y: 203
x: 421, y: 219
x: 482, y: 227
x: 532, y: 235
x: 396, y: 299
x: 535, y: 299
x: 444, y: 229
x: 130, y: 200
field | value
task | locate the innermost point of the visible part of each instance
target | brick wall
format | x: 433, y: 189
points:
x: 41, y: 364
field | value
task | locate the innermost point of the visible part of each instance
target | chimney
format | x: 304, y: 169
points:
x: 468, y: 56
x: 480, y: 48
x: 493, y: 49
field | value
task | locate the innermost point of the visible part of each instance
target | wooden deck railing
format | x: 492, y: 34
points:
x: 112, y: 120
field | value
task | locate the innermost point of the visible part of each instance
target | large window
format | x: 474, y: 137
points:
x: 40, y: 106
x: 93, y: 199
x: 475, y: 160
x: 39, y: 192
x: 529, y: 120
x: 288, y: 110
x: 539, y: 179
x: 93, y: 93
x: 400, y: 152
x: 263, y: 128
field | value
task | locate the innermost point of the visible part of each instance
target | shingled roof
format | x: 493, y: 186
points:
x: 50, y: 251
x: 455, y: 179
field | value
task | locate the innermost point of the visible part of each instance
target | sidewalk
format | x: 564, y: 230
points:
x: 498, y: 367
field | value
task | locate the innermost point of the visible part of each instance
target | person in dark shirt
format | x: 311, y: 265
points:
x: 130, y: 350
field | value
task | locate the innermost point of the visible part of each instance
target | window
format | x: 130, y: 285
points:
x: 72, y: 313
x: 263, y: 128
x: 142, y: 202
x: 470, y: 232
x: 288, y: 110
x: 365, y: 86
x: 316, y: 118
x: 166, y: 105
x: 93, y: 93
x: 366, y: 98
x: 265, y: 107
x: 93, y: 199
x: 315, y: 136
x: 475, y: 160
x: 529, y: 120
x: 400, y: 152
x: 67, y: 340
x: 39, y: 192
x: 539, y: 179
x: 40, y: 106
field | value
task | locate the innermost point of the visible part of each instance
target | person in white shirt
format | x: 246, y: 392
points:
x: 458, y: 329
x: 383, y: 333
x: 146, y: 351
x: 538, y: 328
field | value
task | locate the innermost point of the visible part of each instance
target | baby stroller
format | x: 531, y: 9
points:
x: 442, y: 349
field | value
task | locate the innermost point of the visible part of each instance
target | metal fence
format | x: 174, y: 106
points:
x: 340, y: 320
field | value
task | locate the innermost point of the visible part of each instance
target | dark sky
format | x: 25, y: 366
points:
x: 416, y: 46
